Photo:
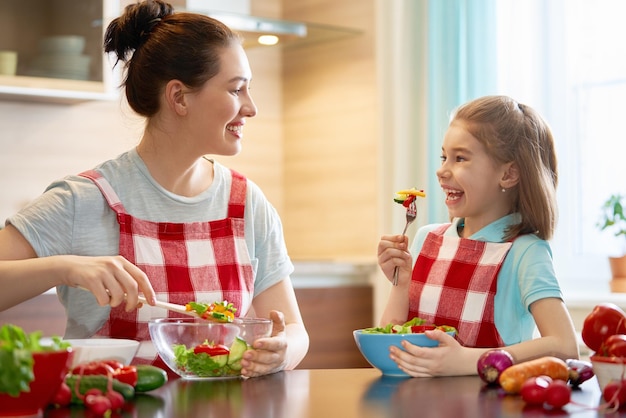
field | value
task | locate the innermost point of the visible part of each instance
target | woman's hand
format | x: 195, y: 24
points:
x: 269, y: 354
x: 445, y: 360
x: 112, y: 279
x: 392, y: 253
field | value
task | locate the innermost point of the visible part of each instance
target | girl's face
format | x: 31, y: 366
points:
x: 471, y: 179
x: 218, y: 110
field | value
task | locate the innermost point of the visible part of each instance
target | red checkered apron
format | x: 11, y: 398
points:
x: 454, y: 283
x: 198, y: 261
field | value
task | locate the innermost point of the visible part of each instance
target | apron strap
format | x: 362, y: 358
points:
x: 107, y: 191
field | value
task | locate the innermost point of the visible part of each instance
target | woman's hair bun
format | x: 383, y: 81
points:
x: 127, y: 32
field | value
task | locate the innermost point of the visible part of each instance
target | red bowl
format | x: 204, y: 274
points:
x: 49, y: 369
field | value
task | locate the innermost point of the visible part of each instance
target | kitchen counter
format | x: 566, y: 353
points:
x: 345, y: 393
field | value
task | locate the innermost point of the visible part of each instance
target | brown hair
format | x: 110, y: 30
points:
x: 158, y: 45
x: 513, y: 132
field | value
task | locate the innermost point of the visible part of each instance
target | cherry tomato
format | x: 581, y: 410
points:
x: 604, y: 320
x: 614, y: 346
x: 211, y: 350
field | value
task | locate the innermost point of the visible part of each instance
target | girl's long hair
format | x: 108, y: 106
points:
x: 513, y: 132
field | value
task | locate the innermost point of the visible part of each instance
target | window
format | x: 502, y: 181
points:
x: 566, y: 59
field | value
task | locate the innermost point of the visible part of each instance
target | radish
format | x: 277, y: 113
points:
x: 558, y: 394
x: 534, y: 390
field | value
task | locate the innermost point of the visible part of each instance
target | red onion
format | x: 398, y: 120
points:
x: 579, y: 371
x: 492, y: 363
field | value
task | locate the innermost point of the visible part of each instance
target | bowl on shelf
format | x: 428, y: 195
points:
x: 92, y: 349
x: 62, y: 44
x: 49, y: 370
x: 607, y: 369
x: 375, y: 348
x: 201, y: 349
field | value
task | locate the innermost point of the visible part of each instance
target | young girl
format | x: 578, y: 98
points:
x: 489, y: 272
x: 162, y: 219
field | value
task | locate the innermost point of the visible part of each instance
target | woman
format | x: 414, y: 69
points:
x: 162, y: 219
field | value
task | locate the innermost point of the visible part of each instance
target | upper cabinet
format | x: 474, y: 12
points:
x: 59, y: 50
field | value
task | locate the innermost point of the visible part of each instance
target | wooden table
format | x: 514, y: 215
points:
x: 345, y: 393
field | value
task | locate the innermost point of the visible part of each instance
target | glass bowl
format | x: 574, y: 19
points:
x: 201, y: 349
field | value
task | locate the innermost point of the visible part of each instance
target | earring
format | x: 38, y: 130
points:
x: 503, y: 190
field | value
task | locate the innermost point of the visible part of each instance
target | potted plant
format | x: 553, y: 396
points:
x: 613, y: 219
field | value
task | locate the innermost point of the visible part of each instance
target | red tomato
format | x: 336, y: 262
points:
x: 211, y: 350
x: 614, y: 346
x: 416, y: 329
x: 604, y: 320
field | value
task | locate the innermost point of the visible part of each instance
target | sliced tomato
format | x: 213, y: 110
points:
x: 417, y: 329
x: 211, y: 350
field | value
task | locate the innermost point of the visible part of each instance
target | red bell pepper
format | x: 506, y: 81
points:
x: 211, y: 350
x: 416, y: 329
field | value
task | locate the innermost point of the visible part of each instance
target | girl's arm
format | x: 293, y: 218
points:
x: 392, y: 253
x: 558, y: 336
x: 557, y: 339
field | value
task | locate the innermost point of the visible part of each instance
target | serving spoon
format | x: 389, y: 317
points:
x: 170, y: 307
x: 165, y: 305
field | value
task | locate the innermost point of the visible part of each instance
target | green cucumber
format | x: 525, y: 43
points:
x: 238, y: 347
x: 220, y: 360
x: 97, y: 382
x: 149, y: 377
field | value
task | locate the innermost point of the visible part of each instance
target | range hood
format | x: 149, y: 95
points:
x: 263, y: 32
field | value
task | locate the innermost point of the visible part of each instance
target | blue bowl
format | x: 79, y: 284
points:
x: 375, y: 348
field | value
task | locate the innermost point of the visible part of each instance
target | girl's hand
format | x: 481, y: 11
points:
x: 392, y: 253
x: 112, y: 279
x: 444, y: 360
x: 269, y: 354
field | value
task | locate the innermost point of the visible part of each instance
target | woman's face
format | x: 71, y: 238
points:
x: 470, y: 178
x: 217, y: 112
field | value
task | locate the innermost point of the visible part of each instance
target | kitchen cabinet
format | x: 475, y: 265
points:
x: 52, y: 73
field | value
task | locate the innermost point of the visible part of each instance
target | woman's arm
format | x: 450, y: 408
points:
x: 113, y: 280
x: 289, y: 343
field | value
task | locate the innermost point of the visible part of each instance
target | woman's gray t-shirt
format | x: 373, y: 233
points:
x: 72, y: 217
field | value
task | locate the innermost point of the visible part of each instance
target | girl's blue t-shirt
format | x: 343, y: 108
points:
x: 527, y: 275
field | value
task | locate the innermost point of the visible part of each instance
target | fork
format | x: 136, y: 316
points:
x: 411, y: 214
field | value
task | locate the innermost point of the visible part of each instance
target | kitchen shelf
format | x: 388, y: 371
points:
x: 24, y: 24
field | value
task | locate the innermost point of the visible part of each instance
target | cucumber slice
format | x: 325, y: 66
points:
x: 220, y: 360
x: 238, y: 347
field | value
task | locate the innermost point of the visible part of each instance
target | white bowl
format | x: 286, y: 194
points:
x: 607, y: 369
x: 92, y: 349
x: 69, y: 44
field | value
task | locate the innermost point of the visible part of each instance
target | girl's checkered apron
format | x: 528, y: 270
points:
x: 199, y: 261
x: 454, y: 283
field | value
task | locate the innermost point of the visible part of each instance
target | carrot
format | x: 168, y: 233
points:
x: 513, y: 377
